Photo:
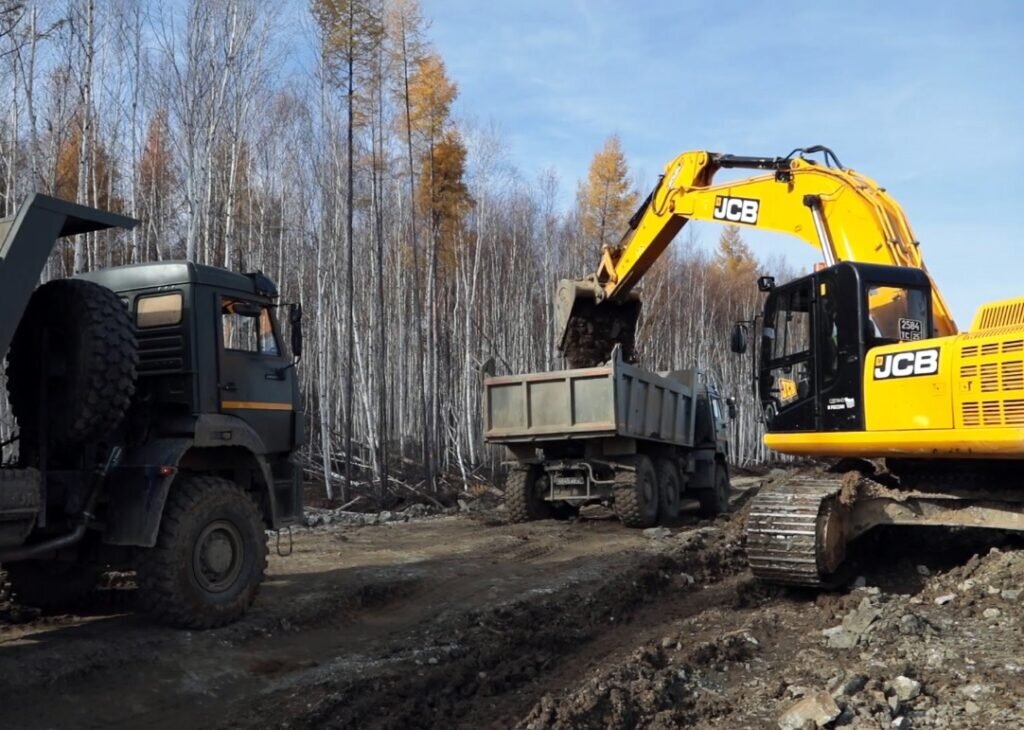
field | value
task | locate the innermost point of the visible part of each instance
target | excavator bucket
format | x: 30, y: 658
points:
x: 591, y: 326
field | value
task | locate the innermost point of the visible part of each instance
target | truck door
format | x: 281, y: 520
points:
x: 787, y: 378
x: 256, y: 382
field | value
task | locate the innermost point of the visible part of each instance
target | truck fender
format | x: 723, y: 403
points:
x: 137, y: 490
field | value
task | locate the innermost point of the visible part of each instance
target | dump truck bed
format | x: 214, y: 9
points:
x: 613, y: 400
x: 26, y: 240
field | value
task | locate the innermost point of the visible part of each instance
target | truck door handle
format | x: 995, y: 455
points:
x: 229, y: 386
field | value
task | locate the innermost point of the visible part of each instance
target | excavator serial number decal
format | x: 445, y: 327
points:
x: 907, y: 364
x: 736, y: 210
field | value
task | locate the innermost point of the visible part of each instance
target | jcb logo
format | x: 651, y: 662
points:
x: 907, y: 364
x: 736, y: 210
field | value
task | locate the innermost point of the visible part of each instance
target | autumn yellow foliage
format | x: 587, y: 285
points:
x: 606, y: 199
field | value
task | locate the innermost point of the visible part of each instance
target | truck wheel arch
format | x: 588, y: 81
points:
x: 138, y: 492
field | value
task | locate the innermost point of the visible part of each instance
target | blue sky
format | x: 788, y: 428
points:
x: 926, y: 97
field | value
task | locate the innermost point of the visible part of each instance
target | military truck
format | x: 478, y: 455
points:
x: 616, y: 433
x: 157, y: 414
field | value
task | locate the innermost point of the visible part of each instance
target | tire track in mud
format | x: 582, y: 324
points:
x: 424, y: 625
x: 487, y: 666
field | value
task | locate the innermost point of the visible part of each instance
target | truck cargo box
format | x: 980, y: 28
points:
x: 617, y: 399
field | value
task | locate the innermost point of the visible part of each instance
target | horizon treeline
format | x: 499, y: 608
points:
x: 317, y: 143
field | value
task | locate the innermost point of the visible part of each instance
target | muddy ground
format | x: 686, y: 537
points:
x: 465, y: 621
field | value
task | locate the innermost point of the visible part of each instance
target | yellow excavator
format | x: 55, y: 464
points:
x: 859, y: 359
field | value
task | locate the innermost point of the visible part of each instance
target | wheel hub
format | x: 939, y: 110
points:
x: 217, y: 556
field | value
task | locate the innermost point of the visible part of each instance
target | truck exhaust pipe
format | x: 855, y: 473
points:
x: 28, y: 552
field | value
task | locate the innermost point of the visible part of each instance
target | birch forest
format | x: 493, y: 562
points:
x: 317, y: 143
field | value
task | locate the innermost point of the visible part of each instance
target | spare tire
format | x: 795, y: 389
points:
x: 86, y: 362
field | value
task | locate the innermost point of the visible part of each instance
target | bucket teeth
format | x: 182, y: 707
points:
x: 783, y: 532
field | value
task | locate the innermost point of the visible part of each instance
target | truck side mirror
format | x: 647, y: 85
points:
x: 765, y: 283
x: 730, y: 405
x: 738, y: 338
x: 295, y: 320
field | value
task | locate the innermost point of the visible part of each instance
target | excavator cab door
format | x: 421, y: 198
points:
x: 811, y: 354
x: 786, y: 382
x: 818, y: 332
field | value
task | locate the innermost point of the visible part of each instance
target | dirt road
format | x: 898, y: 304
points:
x: 464, y: 621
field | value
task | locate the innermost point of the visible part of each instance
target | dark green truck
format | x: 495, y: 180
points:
x: 158, y: 413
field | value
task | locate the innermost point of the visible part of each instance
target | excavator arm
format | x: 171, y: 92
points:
x: 842, y: 213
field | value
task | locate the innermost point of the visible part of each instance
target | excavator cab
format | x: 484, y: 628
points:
x: 817, y: 332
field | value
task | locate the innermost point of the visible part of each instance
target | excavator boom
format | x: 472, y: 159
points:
x: 838, y: 211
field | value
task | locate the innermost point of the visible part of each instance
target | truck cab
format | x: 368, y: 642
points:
x: 214, y: 368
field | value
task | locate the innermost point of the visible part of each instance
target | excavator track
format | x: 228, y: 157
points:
x: 796, y: 533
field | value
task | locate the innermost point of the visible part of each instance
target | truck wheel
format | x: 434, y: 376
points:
x: 210, y: 556
x: 669, y: 489
x: 90, y: 362
x: 522, y: 498
x: 636, y: 494
x: 715, y: 501
x: 51, y: 584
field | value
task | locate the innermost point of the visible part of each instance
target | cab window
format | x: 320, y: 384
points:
x: 899, y: 314
x: 788, y: 346
x: 248, y: 327
x: 791, y: 334
x: 160, y: 310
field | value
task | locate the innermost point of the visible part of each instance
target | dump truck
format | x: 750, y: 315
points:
x: 157, y: 412
x: 617, y: 434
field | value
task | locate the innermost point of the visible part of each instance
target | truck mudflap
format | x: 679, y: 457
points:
x: 26, y: 240
x: 137, y: 490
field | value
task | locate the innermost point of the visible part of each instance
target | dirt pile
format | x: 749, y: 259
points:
x: 939, y: 647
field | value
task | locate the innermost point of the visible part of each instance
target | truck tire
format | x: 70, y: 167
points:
x: 210, y: 556
x: 521, y: 498
x: 636, y: 494
x: 670, y: 489
x: 715, y: 501
x: 50, y: 584
x: 92, y: 348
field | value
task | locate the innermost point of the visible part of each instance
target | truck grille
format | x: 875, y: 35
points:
x: 161, y: 351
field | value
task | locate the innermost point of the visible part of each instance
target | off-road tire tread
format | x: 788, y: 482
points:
x: 661, y: 466
x: 157, y: 566
x: 521, y: 503
x: 627, y: 498
x: 101, y: 390
x: 712, y: 503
